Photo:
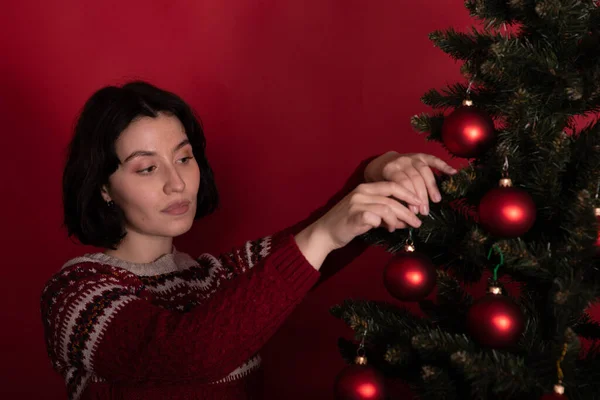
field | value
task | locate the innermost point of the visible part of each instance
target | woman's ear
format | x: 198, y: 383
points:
x: 104, y: 193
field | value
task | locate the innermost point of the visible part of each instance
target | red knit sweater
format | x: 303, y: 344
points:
x: 177, y: 328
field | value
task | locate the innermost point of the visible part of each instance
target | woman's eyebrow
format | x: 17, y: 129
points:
x: 140, y: 153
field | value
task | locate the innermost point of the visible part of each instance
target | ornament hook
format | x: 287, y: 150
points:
x: 505, y: 170
x: 409, y: 245
x: 471, y: 84
x: 499, y: 252
x: 361, y: 358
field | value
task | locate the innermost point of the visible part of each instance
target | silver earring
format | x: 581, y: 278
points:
x: 110, y: 204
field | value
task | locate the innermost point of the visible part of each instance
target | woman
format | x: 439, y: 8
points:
x: 141, y: 320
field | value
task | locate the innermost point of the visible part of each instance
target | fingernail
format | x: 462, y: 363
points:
x: 437, y: 197
x: 424, y: 209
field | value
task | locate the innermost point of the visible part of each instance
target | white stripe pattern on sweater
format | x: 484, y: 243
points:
x: 100, y: 328
x: 77, y: 391
x: 79, y: 305
x: 241, y: 371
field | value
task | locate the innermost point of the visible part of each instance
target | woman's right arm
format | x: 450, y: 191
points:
x: 100, y: 321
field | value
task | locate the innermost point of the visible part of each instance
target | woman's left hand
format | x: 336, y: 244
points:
x: 413, y: 172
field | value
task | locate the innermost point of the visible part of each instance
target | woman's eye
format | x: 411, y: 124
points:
x: 185, y: 160
x: 146, y: 170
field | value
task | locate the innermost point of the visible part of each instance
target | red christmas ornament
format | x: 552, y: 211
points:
x: 409, y: 276
x: 495, y: 320
x: 507, y: 211
x: 359, y: 382
x: 468, y: 131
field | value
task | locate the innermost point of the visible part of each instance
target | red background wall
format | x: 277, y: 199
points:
x: 293, y: 94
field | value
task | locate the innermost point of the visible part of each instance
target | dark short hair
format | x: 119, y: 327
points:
x: 92, y: 158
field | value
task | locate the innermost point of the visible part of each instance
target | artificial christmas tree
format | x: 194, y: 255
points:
x: 533, y: 67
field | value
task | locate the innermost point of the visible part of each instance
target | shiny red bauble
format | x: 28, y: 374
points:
x: 507, y: 212
x: 468, y: 132
x: 359, y: 382
x: 495, y: 321
x: 409, y: 276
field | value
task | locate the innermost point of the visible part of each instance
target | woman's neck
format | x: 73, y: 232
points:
x: 141, y: 249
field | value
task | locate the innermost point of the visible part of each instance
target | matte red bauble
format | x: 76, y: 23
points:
x: 468, y: 132
x: 495, y: 321
x: 507, y: 212
x: 409, y: 276
x: 359, y: 382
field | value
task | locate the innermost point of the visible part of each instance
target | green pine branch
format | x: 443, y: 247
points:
x: 463, y: 46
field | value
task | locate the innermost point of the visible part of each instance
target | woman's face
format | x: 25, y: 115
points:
x: 157, y: 170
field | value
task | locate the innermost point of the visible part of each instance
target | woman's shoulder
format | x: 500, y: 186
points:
x: 85, y: 271
x: 84, y: 283
x: 91, y: 265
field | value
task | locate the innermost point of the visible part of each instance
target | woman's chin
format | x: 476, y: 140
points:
x: 180, y: 230
x: 175, y: 228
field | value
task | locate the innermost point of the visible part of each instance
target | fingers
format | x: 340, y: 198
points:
x: 403, y: 180
x: 418, y: 177
x: 429, y: 180
x: 387, y: 188
x: 401, y: 213
x: 421, y: 189
x: 438, y: 164
x: 389, y: 210
x: 374, y: 216
x: 382, y: 213
x: 411, y: 179
x: 367, y: 220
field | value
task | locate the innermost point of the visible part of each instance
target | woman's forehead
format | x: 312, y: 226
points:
x: 153, y: 134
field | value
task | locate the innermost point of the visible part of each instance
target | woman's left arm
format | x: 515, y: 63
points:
x: 242, y: 258
x: 413, y: 171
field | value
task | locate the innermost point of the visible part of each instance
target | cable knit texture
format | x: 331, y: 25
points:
x: 176, y: 328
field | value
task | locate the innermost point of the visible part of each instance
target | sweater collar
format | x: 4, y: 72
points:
x: 166, y: 263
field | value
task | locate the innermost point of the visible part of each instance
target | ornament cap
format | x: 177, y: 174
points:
x: 494, y: 287
x: 495, y: 290
x: 360, y: 360
x: 467, y: 102
x: 558, y: 388
x: 597, y: 211
x: 505, y: 182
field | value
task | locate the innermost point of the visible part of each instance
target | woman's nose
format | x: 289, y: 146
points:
x: 174, y: 182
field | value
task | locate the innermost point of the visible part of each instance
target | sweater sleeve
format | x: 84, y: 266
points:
x: 118, y: 335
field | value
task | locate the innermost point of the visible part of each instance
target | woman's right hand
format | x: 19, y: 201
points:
x: 369, y: 205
